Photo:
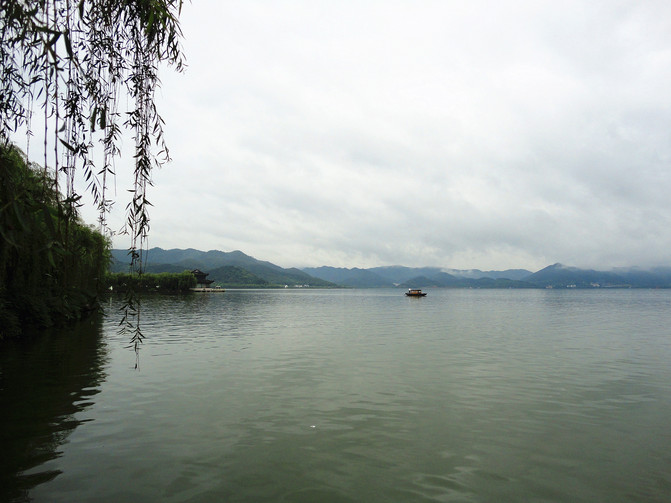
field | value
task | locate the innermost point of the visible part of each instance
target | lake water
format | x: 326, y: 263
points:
x: 348, y: 395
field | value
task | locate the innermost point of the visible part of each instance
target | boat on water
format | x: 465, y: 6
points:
x: 415, y: 292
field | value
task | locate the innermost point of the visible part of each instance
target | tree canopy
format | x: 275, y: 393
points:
x: 72, y: 64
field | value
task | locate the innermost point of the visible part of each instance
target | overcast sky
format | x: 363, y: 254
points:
x: 462, y: 134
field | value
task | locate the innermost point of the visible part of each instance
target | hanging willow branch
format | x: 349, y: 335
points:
x: 76, y: 59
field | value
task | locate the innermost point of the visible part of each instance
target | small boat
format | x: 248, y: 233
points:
x: 415, y: 292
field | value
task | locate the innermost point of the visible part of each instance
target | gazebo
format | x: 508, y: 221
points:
x: 201, y: 279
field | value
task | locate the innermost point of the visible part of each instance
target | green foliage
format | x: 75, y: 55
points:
x: 51, y: 264
x: 77, y: 59
x: 147, y: 282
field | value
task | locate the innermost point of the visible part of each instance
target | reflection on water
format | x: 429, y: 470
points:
x: 44, y: 384
x: 364, y: 395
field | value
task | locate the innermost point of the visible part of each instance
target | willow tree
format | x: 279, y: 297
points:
x: 69, y: 65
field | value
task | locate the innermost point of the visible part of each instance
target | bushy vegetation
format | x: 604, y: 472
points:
x: 52, y: 265
x: 164, y: 282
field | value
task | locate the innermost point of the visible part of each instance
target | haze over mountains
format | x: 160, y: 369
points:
x: 236, y: 269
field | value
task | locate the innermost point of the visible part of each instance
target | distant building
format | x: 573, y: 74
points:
x: 201, y: 279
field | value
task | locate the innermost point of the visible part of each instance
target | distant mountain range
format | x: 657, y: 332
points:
x: 553, y: 276
x: 236, y: 269
x: 390, y: 276
x: 560, y: 276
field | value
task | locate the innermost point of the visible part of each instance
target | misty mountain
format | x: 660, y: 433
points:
x: 558, y: 275
x: 657, y: 277
x: 363, y: 278
x: 400, y: 274
x: 440, y: 279
x: 409, y: 277
x: 515, y: 274
x: 446, y: 280
x: 561, y: 276
x: 555, y: 276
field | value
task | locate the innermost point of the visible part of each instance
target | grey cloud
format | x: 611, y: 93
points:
x: 454, y: 134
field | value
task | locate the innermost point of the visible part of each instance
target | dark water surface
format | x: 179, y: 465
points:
x: 359, y: 395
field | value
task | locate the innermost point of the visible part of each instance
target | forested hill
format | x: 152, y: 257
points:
x: 228, y: 269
